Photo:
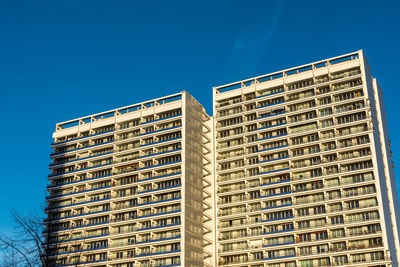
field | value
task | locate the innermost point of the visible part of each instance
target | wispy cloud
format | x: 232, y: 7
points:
x: 250, y: 46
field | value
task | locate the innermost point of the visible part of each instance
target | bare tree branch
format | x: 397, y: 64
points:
x: 10, y: 244
x: 33, y: 243
x: 24, y: 222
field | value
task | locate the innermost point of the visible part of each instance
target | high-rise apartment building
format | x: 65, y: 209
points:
x: 132, y: 187
x: 293, y: 170
x: 304, y: 172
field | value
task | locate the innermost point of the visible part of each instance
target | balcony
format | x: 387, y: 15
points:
x: 78, y: 238
x: 79, y: 138
x: 365, y: 246
x: 158, y: 142
x: 269, y: 94
x: 158, y: 201
x: 278, y: 206
x: 66, y: 162
x: 158, y: 253
x: 272, y: 104
x: 159, y: 177
x: 76, y: 149
x: 278, y: 219
x: 158, y: 189
x: 276, y: 194
x: 77, y: 203
x: 158, y: 214
x: 76, y: 227
x: 83, y: 169
x: 155, y: 166
x: 280, y: 231
x: 170, y: 237
x: 76, y: 215
x: 161, y: 130
x: 158, y: 226
x: 173, y: 116
x: 280, y: 257
x: 279, y: 244
x: 160, y: 153
x: 78, y: 181
x: 271, y: 115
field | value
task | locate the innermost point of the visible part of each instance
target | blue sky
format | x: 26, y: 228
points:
x: 65, y: 59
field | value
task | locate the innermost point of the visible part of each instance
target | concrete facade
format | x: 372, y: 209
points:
x: 304, y: 169
x: 293, y: 169
x: 127, y: 187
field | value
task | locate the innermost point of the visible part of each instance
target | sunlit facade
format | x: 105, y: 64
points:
x: 304, y: 171
x: 127, y: 187
x: 293, y: 170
